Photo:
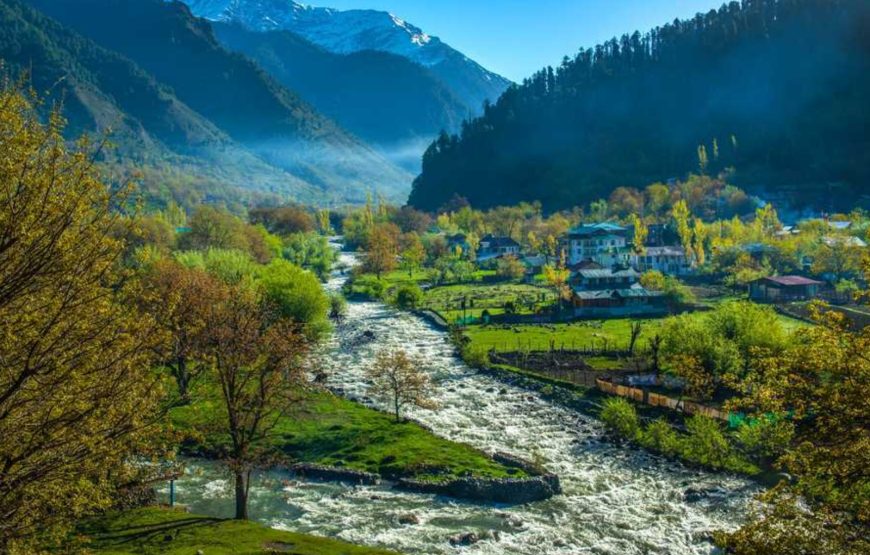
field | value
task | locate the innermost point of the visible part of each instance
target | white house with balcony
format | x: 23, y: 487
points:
x: 669, y: 260
x: 603, y: 243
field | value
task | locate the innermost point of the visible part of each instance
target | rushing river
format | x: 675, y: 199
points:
x: 616, y: 500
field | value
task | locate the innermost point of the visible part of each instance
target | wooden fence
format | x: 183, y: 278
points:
x: 659, y: 400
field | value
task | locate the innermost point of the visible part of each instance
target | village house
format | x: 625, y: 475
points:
x: 492, y: 247
x: 604, y: 278
x: 602, y: 243
x: 783, y: 289
x: 618, y: 303
x: 847, y: 241
x: 613, y: 293
x: 457, y: 241
x: 670, y: 261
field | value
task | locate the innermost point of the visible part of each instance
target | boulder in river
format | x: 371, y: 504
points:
x: 409, y: 518
x: 468, y: 538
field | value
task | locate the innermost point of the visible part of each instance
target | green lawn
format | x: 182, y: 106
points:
x: 174, y: 532
x: 447, y: 300
x: 576, y: 335
x: 329, y: 430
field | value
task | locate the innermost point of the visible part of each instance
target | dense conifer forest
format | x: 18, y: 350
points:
x: 775, y: 89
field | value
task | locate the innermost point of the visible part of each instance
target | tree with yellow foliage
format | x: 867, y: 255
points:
x: 641, y: 232
x: 77, y: 398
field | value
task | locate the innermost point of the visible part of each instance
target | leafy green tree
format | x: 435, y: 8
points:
x: 653, y: 280
x: 297, y: 296
x: 766, y: 438
x: 755, y: 330
x: 409, y: 296
x: 413, y: 252
x: 311, y: 251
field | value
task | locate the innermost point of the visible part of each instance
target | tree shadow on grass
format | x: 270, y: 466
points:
x: 146, y: 532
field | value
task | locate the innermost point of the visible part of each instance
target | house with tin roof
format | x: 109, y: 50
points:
x: 780, y: 289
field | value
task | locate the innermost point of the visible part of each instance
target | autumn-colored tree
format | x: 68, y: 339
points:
x: 77, y: 402
x: 821, y: 382
x: 399, y: 378
x: 257, y: 359
x: 179, y: 299
x: 413, y: 252
x: 657, y: 198
x: 653, y: 280
x: 680, y: 214
x: 557, y: 278
x: 699, y: 236
x: 510, y: 267
x: 641, y: 232
x: 284, y: 220
x: 383, y: 249
x: 837, y: 257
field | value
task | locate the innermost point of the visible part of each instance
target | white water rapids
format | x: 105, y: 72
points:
x: 616, y: 500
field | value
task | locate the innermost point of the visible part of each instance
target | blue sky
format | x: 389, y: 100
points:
x: 518, y: 37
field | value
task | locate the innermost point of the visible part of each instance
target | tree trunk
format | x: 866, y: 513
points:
x: 183, y: 379
x: 397, y: 409
x: 241, y: 496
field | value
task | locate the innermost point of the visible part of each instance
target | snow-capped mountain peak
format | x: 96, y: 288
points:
x: 342, y: 32
x: 350, y: 31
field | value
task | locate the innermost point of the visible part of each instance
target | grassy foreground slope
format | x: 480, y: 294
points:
x: 175, y: 532
x: 329, y: 430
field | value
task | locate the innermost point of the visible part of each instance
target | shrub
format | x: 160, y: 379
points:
x: 476, y: 357
x: 706, y: 443
x: 620, y: 416
x: 409, y: 296
x: 765, y: 438
x: 659, y: 436
x: 369, y: 286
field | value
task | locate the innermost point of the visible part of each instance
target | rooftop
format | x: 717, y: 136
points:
x: 593, y: 273
x: 791, y: 280
x: 596, y: 229
x: 499, y: 241
x: 634, y: 292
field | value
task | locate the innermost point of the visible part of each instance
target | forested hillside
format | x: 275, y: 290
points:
x: 776, y: 89
x: 390, y: 101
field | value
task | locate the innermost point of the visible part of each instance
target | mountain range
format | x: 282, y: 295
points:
x: 352, y: 31
x: 218, y: 110
x: 772, y: 92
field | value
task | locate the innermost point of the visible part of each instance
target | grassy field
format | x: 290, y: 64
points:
x: 588, y: 334
x: 447, y: 300
x: 173, y: 532
x: 333, y: 431
x: 598, y: 334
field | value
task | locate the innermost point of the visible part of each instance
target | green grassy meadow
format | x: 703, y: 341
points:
x: 164, y: 531
x: 326, y: 429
